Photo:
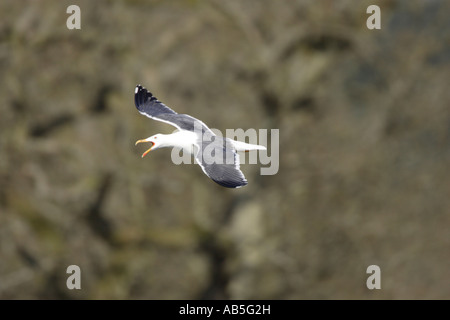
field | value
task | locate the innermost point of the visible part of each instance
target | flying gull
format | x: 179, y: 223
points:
x: 217, y: 156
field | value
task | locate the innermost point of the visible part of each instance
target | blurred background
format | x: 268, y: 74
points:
x: 364, y: 175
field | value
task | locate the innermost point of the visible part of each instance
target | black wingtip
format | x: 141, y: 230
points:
x: 149, y: 105
x: 231, y: 184
x: 141, y: 96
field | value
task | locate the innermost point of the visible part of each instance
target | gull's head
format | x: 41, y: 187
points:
x: 157, y: 141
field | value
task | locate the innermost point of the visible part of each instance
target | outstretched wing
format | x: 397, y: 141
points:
x: 220, y: 162
x: 148, y: 105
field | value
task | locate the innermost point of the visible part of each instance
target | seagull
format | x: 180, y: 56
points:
x: 217, y: 156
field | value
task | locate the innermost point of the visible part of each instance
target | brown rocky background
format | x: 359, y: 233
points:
x: 364, y: 119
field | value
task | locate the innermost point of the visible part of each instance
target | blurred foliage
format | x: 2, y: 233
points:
x: 364, y: 175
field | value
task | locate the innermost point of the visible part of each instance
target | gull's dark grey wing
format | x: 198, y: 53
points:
x: 148, y: 105
x: 220, y: 162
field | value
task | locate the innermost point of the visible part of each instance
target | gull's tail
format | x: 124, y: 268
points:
x: 243, y: 146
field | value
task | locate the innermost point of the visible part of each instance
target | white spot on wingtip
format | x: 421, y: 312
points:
x: 136, y: 90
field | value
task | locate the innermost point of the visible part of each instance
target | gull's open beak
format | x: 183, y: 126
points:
x: 144, y: 140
